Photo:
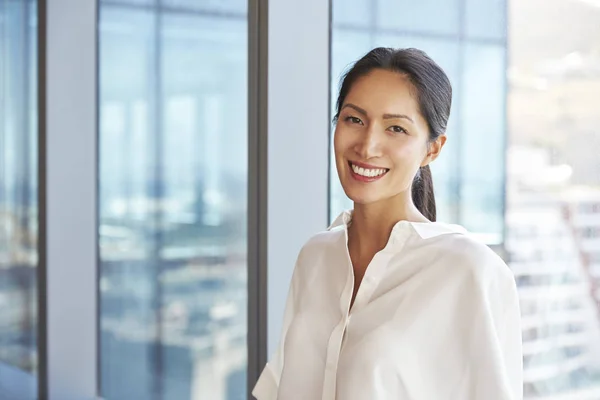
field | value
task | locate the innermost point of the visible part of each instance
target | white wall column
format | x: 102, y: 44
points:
x: 68, y: 207
x: 298, y: 140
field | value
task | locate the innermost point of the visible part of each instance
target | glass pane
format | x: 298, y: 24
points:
x: 471, y: 68
x: 485, y: 19
x: 483, y: 117
x: 553, y: 209
x: 438, y: 17
x: 173, y: 214
x: 352, y: 13
x: 349, y: 45
x: 18, y: 198
x: 129, y: 2
x: 236, y: 7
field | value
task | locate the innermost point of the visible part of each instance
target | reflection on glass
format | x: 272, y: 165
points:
x: 483, y: 133
x: 210, y: 6
x: 477, y: 120
x: 353, y: 14
x: 553, y: 209
x: 485, y: 19
x: 173, y: 190
x: 18, y: 197
x: 427, y: 17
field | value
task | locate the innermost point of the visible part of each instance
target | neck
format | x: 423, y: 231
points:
x: 372, y: 224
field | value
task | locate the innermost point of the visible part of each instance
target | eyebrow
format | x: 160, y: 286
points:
x: 385, y: 116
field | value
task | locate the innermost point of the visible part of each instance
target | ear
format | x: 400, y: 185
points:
x: 434, y: 149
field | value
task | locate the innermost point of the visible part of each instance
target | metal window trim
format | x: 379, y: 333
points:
x: 257, y: 188
x: 279, y: 221
x: 42, y: 206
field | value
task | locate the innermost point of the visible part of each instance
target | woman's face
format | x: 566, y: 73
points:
x: 381, y: 139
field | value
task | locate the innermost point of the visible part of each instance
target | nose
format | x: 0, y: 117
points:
x: 369, y: 144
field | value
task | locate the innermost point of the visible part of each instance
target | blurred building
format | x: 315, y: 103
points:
x: 582, y: 211
x: 561, y: 328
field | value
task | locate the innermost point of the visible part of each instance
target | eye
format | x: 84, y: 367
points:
x: 398, y: 129
x: 353, y: 120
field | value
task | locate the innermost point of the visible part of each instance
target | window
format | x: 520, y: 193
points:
x: 485, y: 19
x: 18, y: 198
x: 482, y: 136
x: 553, y: 174
x: 474, y: 60
x: 173, y: 192
x: 425, y: 17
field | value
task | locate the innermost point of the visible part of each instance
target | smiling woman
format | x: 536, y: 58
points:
x: 360, y: 339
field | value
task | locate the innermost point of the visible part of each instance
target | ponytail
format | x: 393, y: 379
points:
x: 422, y: 193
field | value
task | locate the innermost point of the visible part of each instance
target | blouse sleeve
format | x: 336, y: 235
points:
x: 496, y: 355
x: 268, y: 382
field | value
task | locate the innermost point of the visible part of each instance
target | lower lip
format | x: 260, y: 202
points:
x: 361, y: 178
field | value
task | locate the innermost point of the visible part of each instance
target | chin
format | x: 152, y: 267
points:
x: 362, y: 196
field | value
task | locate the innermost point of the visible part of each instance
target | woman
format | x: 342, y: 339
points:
x: 387, y: 303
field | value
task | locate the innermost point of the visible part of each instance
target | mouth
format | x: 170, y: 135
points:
x: 366, y: 173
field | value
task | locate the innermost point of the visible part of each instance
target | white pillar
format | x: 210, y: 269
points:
x: 298, y: 140
x: 68, y: 208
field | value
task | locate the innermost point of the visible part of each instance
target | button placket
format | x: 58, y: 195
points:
x: 337, y: 337
x: 374, y: 274
x: 370, y: 282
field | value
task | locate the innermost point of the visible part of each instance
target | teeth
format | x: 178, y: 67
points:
x: 370, y: 173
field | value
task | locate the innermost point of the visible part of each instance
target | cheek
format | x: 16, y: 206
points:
x: 336, y: 141
x: 407, y: 160
x: 409, y: 153
x: 340, y: 141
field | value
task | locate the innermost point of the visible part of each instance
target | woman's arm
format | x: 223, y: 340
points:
x: 495, y: 370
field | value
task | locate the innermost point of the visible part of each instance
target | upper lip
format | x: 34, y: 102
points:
x: 366, y: 166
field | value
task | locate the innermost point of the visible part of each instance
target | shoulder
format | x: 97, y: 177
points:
x: 323, y: 249
x: 321, y: 242
x: 462, y: 254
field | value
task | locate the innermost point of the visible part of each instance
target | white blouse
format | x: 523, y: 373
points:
x: 436, y: 317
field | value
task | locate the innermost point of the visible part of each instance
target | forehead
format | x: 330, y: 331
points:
x: 382, y: 91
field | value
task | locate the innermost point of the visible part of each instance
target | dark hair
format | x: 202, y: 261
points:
x: 433, y: 93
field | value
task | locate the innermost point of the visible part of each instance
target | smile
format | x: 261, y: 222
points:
x: 365, y: 173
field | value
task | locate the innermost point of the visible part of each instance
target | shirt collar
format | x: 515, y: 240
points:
x: 342, y: 220
x: 425, y: 230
